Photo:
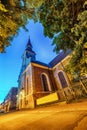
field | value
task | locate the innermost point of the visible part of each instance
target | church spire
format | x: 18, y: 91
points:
x: 28, y: 55
x: 28, y: 50
x: 29, y: 43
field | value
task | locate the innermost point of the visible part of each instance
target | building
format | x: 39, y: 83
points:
x: 0, y: 106
x: 41, y: 83
x: 10, y: 100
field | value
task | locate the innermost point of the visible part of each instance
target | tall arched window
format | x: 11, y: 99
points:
x: 45, y: 82
x: 62, y: 79
x: 27, y: 89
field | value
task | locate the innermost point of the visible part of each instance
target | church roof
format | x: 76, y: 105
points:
x: 56, y: 60
x: 41, y: 63
x: 59, y: 58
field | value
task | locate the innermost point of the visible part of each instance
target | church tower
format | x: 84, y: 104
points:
x: 28, y: 56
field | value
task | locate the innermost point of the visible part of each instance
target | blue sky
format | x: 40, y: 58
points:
x: 10, y: 62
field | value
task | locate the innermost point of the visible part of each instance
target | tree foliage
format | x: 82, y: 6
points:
x: 13, y: 15
x: 10, y: 20
x: 78, y: 61
x: 66, y: 22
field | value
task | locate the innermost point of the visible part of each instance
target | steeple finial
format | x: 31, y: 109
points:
x: 29, y: 43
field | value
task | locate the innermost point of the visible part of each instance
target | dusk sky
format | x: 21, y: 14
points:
x: 10, y: 62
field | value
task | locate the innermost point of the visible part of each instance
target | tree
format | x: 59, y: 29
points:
x: 66, y: 22
x: 10, y: 21
x: 13, y: 15
x: 78, y: 62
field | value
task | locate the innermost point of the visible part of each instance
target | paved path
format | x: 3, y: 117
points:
x: 54, y: 117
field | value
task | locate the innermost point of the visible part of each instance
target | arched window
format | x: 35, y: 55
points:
x: 45, y: 82
x: 62, y: 79
x: 27, y: 89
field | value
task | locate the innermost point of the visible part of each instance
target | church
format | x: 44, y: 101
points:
x: 41, y: 83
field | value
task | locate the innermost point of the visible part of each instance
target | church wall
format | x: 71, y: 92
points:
x: 38, y: 86
x: 25, y: 96
x: 61, y: 67
x: 28, y: 80
x: 65, y: 92
x: 36, y: 80
x: 33, y: 88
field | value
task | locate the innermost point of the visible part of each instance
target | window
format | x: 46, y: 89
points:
x: 45, y: 82
x: 62, y: 79
x: 27, y: 89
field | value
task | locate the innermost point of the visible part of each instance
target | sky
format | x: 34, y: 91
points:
x: 11, y: 61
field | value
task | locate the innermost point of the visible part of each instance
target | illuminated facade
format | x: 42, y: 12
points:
x: 10, y: 99
x: 38, y: 80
